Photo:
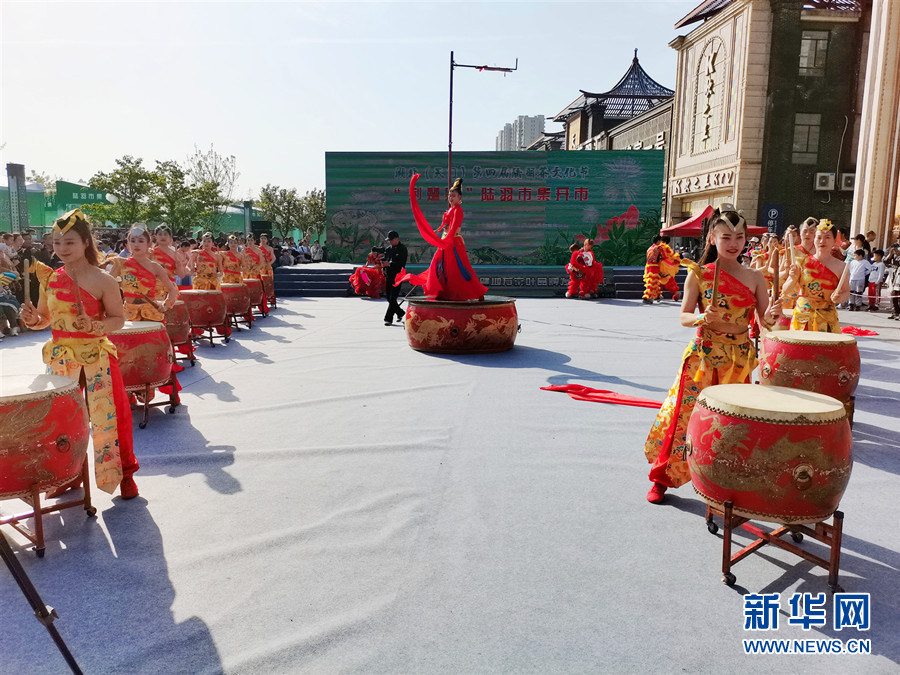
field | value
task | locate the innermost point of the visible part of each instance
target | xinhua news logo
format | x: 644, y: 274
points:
x: 762, y: 612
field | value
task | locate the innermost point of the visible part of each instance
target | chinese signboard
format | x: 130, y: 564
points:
x: 519, y: 207
x: 72, y: 196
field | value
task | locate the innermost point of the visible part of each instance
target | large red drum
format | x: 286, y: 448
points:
x: 780, y: 455
x: 206, y: 308
x: 468, y: 327
x: 784, y: 321
x: 178, y: 323
x: 826, y: 363
x: 237, y: 299
x: 268, y: 282
x: 145, y: 354
x: 44, y: 433
x: 255, y: 287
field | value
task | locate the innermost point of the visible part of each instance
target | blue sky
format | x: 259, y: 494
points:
x: 277, y: 84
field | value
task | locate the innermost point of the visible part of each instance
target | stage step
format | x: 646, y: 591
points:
x: 333, y: 280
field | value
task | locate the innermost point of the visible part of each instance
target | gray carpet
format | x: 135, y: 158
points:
x: 328, y: 500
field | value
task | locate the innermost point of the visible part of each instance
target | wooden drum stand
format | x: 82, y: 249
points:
x: 829, y: 535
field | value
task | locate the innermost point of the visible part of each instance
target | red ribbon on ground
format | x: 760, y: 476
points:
x: 581, y: 393
x: 853, y: 330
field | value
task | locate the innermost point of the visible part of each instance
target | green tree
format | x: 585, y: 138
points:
x: 44, y: 179
x: 282, y: 207
x: 209, y: 168
x: 132, y: 187
x: 312, y: 218
x: 184, y: 206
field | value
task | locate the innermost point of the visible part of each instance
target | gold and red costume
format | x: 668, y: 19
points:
x: 138, y: 286
x: 90, y: 358
x: 252, y: 270
x: 579, y: 275
x: 268, y: 259
x: 814, y: 309
x: 206, y: 277
x: 233, y: 268
x: 651, y: 273
x: 711, y: 358
x: 164, y: 258
x: 669, y: 262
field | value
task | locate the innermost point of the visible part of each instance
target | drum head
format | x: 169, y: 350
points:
x: 811, y: 337
x: 771, y: 404
x: 140, y: 327
x: 29, y: 386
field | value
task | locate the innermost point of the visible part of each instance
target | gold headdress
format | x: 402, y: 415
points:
x: 139, y: 228
x: 825, y: 225
x: 810, y: 222
x: 457, y: 186
x: 732, y: 219
x: 64, y: 223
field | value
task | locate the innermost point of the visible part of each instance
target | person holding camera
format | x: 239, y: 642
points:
x: 394, y: 261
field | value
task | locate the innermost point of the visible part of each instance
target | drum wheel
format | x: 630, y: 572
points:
x: 91, y: 511
x: 728, y: 579
x: 39, y: 551
x: 797, y: 536
x: 712, y: 527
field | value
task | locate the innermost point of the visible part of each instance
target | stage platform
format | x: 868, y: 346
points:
x: 329, y: 500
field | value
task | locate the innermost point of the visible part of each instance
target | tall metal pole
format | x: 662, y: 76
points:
x: 450, y: 140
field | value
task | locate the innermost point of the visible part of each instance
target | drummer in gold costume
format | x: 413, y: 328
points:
x: 165, y: 253
x: 268, y: 254
x: 139, y: 276
x: 206, y: 265
x: 822, y: 285
x: 722, y: 351
x: 82, y: 304
x: 234, y: 262
x: 254, y: 258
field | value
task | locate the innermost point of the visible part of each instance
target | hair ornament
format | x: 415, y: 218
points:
x: 65, y: 222
x: 825, y: 225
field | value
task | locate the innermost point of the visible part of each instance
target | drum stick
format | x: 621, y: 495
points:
x: 714, y: 301
x: 27, y: 269
x: 776, y: 281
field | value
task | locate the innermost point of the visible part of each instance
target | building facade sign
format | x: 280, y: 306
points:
x: 713, y: 180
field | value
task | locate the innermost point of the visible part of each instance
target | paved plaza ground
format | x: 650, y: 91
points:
x: 329, y: 500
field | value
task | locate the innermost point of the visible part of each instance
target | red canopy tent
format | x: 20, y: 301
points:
x: 693, y: 226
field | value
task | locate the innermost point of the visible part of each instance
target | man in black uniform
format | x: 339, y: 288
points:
x: 395, y: 257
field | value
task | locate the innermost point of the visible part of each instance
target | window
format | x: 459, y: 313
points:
x: 813, y: 53
x: 806, y: 138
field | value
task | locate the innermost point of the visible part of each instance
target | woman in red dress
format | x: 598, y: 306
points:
x: 450, y: 276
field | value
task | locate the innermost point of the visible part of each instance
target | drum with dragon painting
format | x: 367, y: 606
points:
x: 468, y: 327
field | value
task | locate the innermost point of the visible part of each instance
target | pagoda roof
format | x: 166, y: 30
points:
x: 633, y: 95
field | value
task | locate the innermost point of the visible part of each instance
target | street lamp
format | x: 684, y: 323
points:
x: 453, y: 65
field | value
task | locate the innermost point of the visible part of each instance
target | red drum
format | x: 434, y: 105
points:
x: 784, y: 321
x: 178, y: 323
x: 237, y: 299
x: 145, y: 354
x: 206, y: 308
x: 255, y: 287
x: 268, y: 282
x: 44, y: 433
x: 780, y: 455
x: 826, y: 363
x: 468, y: 327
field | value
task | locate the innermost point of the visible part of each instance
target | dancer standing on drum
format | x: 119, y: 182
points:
x: 822, y: 285
x: 450, y: 276
x: 82, y: 305
x: 722, y: 351
x: 206, y: 265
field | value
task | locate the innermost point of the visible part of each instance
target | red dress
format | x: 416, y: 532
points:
x: 450, y: 275
x: 369, y: 279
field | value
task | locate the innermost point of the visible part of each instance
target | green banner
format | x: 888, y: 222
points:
x: 72, y: 196
x: 520, y: 208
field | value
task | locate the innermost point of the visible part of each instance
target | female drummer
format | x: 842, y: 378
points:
x: 450, y: 276
x: 165, y: 253
x: 822, y: 285
x: 139, y: 276
x: 234, y: 262
x: 722, y: 351
x: 206, y: 265
x: 82, y: 305
x: 268, y: 254
x: 253, y: 268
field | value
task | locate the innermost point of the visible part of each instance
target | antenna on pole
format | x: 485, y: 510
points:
x: 454, y: 64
